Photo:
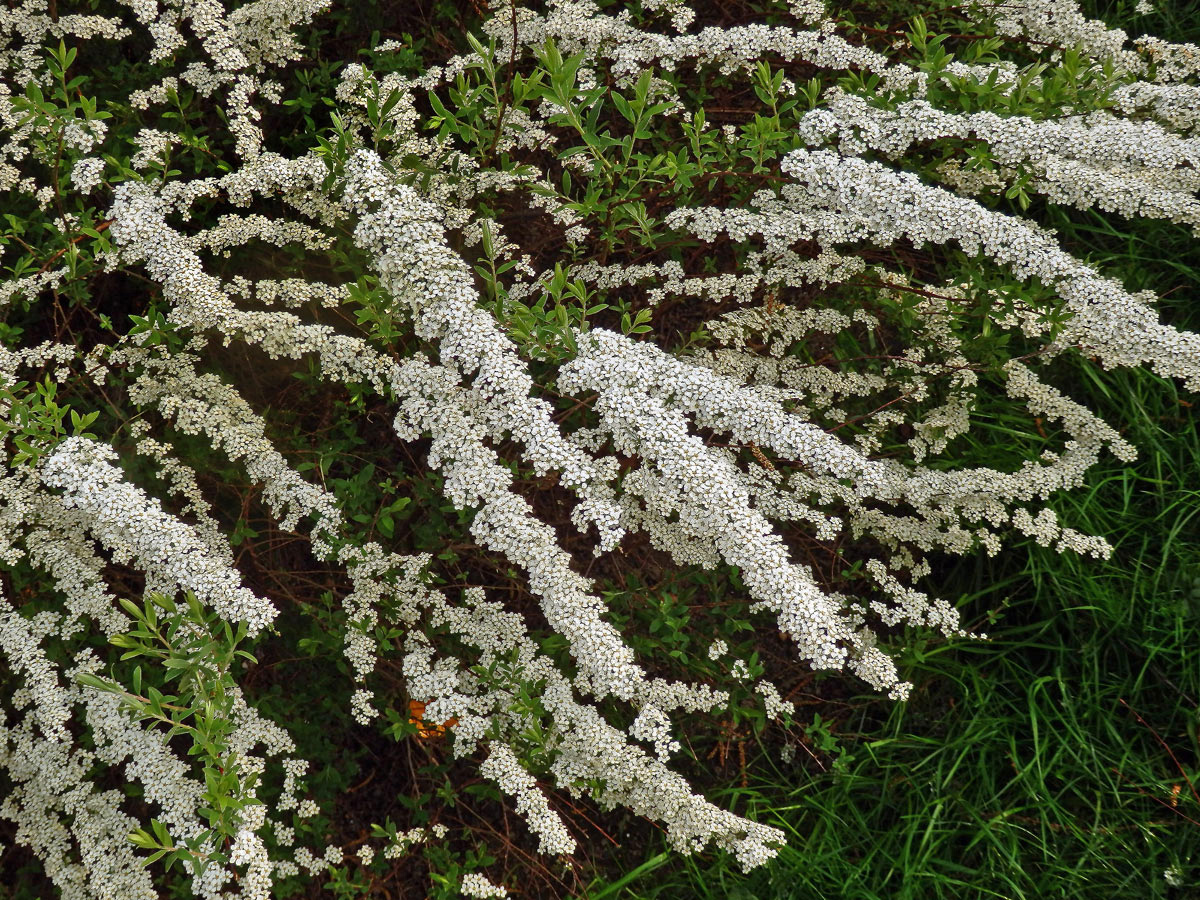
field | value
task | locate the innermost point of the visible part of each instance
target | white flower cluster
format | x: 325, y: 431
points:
x: 1062, y: 23
x: 840, y: 199
x: 1133, y: 168
x: 409, y: 247
x: 585, y: 749
x: 475, y: 885
x: 641, y: 410
x: 133, y: 526
x: 78, y: 832
x: 503, y: 767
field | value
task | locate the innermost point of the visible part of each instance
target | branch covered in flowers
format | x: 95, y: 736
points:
x: 476, y: 348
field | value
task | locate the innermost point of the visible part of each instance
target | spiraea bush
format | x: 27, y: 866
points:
x: 422, y: 419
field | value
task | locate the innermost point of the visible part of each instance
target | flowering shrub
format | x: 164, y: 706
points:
x: 430, y: 373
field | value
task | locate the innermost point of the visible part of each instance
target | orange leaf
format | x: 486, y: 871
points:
x: 416, y: 714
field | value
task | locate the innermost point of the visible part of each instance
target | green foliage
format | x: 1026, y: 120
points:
x: 36, y: 421
x: 183, y: 643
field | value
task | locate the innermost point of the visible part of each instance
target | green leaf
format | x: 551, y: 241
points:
x: 143, y: 839
x: 92, y: 681
x: 164, y: 601
x: 160, y: 830
x: 623, y: 107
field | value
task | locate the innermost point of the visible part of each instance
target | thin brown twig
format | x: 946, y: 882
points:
x: 100, y: 226
x: 1165, y: 746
